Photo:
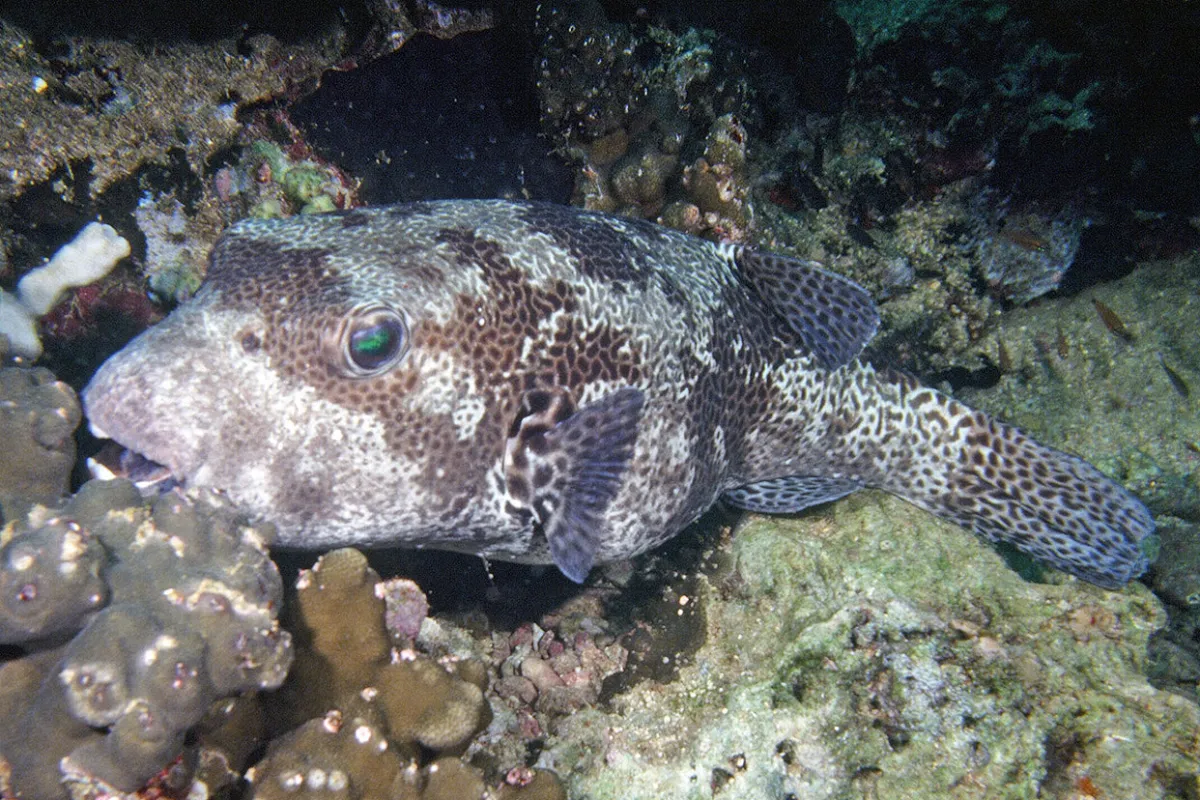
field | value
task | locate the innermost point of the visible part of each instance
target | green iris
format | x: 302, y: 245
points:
x: 372, y: 341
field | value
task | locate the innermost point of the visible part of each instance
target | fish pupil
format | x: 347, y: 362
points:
x: 375, y: 344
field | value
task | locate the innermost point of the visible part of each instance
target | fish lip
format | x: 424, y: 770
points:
x: 129, y: 449
x: 115, y: 461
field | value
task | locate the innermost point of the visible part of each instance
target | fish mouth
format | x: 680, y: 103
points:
x: 114, y: 461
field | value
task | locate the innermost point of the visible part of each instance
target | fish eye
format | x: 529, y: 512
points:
x: 375, y: 338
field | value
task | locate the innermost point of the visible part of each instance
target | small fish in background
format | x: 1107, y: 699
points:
x: 541, y: 384
x: 1177, y: 382
x: 1115, y: 325
x: 1004, y: 359
x: 1022, y: 253
x: 1061, y: 344
x: 1025, y: 238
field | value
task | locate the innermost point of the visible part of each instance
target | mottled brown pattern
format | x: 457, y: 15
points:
x: 571, y: 356
x: 252, y: 271
x: 602, y: 253
x: 513, y: 313
x: 714, y: 380
x: 541, y: 410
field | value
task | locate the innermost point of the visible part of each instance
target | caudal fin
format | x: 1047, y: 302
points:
x: 1054, y: 506
x: 993, y: 479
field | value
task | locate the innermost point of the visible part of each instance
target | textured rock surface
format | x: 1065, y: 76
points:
x: 865, y: 649
x: 1109, y: 395
x: 1129, y: 403
x: 120, y: 104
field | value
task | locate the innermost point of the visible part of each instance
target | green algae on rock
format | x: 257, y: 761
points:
x: 866, y: 650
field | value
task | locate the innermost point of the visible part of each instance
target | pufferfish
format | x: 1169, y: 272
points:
x: 540, y: 384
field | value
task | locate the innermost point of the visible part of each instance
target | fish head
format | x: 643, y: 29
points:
x: 313, y: 378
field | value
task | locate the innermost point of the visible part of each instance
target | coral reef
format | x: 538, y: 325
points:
x: 867, y: 650
x: 266, y: 179
x: 303, y: 185
x: 131, y: 619
x: 93, y: 252
x: 336, y: 662
x: 369, y: 714
x: 717, y: 187
x: 176, y: 252
x: 120, y: 105
x: 863, y: 649
x: 394, y: 23
x: 38, y: 417
x: 918, y: 266
x: 655, y: 120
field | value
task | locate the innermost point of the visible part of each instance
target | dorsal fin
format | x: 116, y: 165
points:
x: 833, y: 316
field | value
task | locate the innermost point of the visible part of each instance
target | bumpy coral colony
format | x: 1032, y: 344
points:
x: 135, y: 616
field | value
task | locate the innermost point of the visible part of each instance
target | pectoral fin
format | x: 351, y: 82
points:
x: 566, y: 466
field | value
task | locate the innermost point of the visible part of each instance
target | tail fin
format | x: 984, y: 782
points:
x: 1006, y: 487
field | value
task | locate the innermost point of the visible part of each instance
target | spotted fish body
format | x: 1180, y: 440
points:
x: 536, y: 383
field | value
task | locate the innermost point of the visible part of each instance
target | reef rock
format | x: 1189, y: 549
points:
x: 866, y: 651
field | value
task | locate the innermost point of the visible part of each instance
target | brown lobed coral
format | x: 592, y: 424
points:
x: 38, y: 415
x: 376, y: 720
x: 130, y: 618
